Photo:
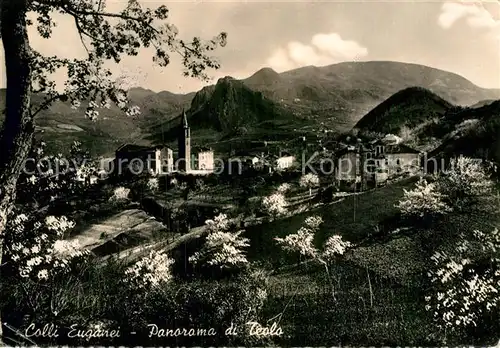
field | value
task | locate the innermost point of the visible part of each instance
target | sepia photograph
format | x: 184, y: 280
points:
x: 249, y: 173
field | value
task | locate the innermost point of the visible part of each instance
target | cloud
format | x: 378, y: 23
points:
x: 475, y: 14
x: 323, y: 49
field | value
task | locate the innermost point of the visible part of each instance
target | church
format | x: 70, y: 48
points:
x: 199, y: 161
x: 157, y: 160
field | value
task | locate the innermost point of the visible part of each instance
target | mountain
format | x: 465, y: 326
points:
x: 335, y: 96
x: 230, y: 110
x: 60, y: 125
x: 482, y: 103
x: 264, y: 77
x: 343, y: 93
x: 429, y: 123
x: 410, y: 107
x: 473, y: 132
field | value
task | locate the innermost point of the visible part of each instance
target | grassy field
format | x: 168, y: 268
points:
x: 369, y: 309
x: 378, y: 286
x: 356, y: 219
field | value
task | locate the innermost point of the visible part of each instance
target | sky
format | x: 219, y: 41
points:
x: 461, y: 36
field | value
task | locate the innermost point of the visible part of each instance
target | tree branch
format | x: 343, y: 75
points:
x: 76, y: 12
x: 81, y: 33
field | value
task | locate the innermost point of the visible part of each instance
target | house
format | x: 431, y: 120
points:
x: 136, y: 159
x: 348, y: 164
x: 393, y: 159
x: 375, y: 163
x: 204, y: 159
x: 284, y: 161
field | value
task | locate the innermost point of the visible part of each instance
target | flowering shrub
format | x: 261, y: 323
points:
x: 313, y: 222
x: 59, y: 225
x: 36, y: 250
x: 120, y: 194
x: 463, y: 290
x: 309, y: 180
x: 275, y: 205
x: 222, y: 248
x: 302, y: 242
x: 465, y: 182
x: 283, y: 188
x: 153, y: 184
x: 151, y: 271
x: 220, y: 222
x: 47, y: 178
x: 334, y: 246
x: 423, y: 201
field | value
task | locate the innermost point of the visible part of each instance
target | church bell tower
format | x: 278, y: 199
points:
x: 184, y: 145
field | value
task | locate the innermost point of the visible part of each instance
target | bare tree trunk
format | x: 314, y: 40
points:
x: 18, y: 127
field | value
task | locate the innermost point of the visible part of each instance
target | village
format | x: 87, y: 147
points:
x: 353, y: 165
x: 328, y: 179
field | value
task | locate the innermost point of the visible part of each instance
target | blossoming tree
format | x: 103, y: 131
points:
x: 36, y: 249
x: 302, y: 242
x: 151, y: 271
x: 464, y: 290
x: 105, y: 35
x: 222, y: 248
x: 424, y: 201
x: 309, y: 181
x: 464, y: 267
x: 275, y: 205
x: 466, y: 183
x: 284, y: 188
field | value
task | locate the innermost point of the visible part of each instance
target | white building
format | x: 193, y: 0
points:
x: 285, y: 162
x: 138, y: 159
x: 255, y: 160
x: 86, y: 178
x: 168, y: 161
x: 206, y: 160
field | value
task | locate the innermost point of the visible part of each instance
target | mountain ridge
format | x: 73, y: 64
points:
x: 337, y: 95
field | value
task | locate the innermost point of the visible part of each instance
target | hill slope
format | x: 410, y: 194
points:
x: 407, y: 108
x: 230, y: 109
x: 343, y: 93
x: 60, y: 125
x: 431, y: 124
x: 338, y: 96
x: 473, y: 132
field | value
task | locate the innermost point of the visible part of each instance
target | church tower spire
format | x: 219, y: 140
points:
x: 184, y: 144
x: 184, y: 120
